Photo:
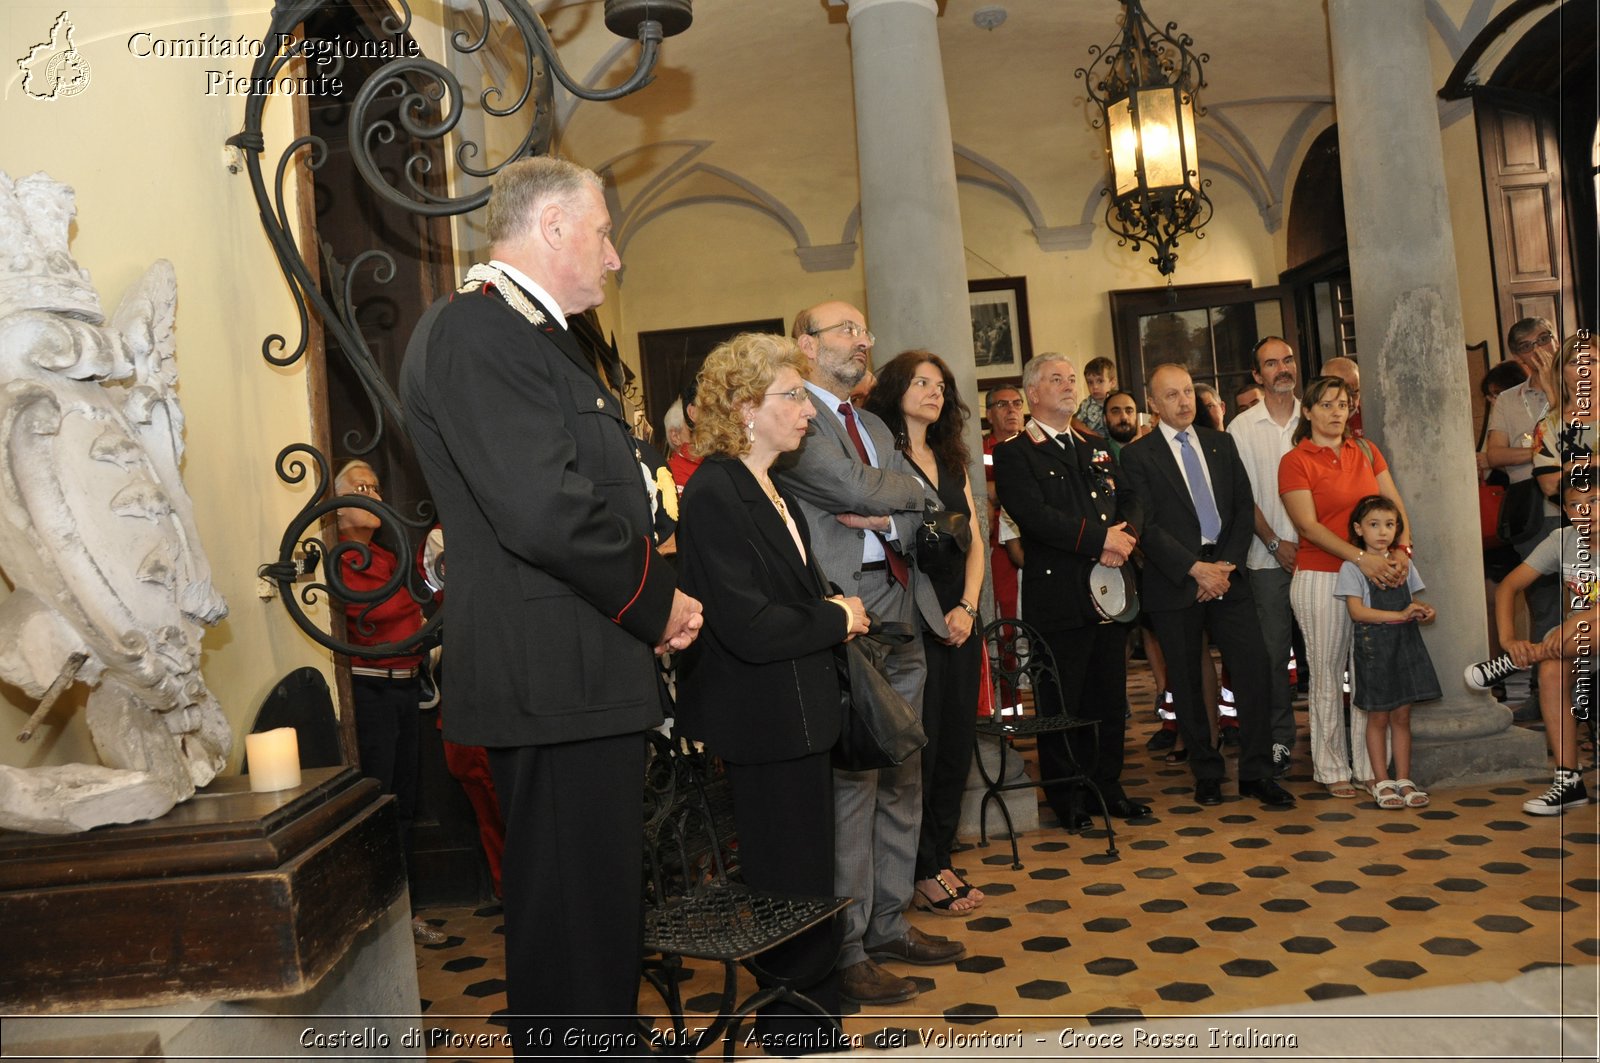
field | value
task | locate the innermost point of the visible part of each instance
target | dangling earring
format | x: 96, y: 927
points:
x: 750, y: 430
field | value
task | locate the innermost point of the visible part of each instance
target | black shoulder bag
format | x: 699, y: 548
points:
x: 880, y: 727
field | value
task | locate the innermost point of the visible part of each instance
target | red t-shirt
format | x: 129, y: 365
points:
x: 1337, y: 481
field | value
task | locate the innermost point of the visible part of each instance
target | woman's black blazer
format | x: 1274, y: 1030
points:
x: 759, y: 684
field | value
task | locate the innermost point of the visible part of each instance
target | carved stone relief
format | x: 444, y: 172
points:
x: 97, y: 533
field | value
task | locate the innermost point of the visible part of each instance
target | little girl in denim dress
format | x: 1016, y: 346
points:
x: 1392, y: 668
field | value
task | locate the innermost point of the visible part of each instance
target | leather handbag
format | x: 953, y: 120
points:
x: 943, y: 537
x: 880, y: 727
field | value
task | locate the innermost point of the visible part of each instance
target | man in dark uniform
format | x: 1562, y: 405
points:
x: 1062, y: 492
x: 1196, y: 517
x: 557, y: 597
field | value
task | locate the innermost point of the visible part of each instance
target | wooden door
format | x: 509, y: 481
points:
x: 1520, y: 153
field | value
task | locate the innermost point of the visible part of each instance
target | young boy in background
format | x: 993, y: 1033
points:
x: 1101, y: 377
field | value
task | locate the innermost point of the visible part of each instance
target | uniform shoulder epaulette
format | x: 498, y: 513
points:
x: 1036, y: 434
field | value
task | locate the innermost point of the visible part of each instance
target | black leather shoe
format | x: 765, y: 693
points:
x: 1228, y: 738
x: 1267, y: 792
x: 918, y: 948
x: 1163, y: 739
x: 1075, y: 819
x: 1123, y: 808
x: 1208, y: 791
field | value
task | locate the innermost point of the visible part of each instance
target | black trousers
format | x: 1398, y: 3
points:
x: 1094, y: 681
x: 1235, y: 630
x: 386, y: 740
x: 783, y: 813
x: 572, y: 877
x: 949, y: 716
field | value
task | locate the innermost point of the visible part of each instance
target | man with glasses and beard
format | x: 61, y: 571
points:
x: 862, y: 503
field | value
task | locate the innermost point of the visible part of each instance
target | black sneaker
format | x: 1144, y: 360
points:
x: 1227, y: 738
x: 1485, y: 674
x: 1281, y: 758
x: 1567, y: 791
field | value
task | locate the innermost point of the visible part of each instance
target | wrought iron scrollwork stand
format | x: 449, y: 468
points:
x: 428, y: 101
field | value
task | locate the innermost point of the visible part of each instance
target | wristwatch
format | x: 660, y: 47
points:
x: 1272, y: 545
x: 968, y: 608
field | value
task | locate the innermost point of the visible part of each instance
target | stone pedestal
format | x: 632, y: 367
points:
x: 1416, y: 401
x: 232, y: 903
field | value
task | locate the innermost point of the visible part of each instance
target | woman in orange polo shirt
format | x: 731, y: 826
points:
x: 1321, y: 480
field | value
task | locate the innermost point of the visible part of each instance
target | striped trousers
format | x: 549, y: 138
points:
x: 1325, y: 621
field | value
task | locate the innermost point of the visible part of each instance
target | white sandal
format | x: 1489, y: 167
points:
x: 1412, y: 794
x: 1385, y: 792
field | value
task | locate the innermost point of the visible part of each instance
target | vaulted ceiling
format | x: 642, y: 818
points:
x: 754, y: 106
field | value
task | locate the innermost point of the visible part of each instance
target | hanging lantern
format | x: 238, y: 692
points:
x: 1144, y: 86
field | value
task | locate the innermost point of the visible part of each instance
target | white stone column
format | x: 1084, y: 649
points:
x: 911, y: 231
x: 1416, y: 400
x: 910, y: 217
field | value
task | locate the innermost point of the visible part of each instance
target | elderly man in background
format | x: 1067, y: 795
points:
x: 557, y: 597
x: 1264, y: 434
x: 1006, y: 410
x: 386, y: 691
x: 862, y: 503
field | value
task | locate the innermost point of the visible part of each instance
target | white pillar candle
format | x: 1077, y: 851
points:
x: 274, y: 760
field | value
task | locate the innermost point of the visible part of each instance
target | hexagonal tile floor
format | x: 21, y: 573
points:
x: 1204, y: 911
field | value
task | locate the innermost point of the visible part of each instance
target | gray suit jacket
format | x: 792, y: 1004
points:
x: 828, y: 478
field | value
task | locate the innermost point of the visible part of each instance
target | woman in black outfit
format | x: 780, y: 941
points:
x: 916, y: 397
x: 759, y: 687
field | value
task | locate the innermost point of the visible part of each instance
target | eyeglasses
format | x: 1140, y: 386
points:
x: 1522, y: 346
x: 795, y: 395
x: 850, y: 328
x: 365, y: 489
x: 1006, y: 404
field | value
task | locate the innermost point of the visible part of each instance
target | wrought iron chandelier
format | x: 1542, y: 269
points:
x: 426, y: 103
x: 1145, y: 86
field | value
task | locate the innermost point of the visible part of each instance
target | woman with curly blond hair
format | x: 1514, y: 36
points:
x: 760, y: 687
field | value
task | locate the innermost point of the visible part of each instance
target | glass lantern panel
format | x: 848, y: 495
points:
x: 1191, y: 155
x: 1159, y: 138
x: 1124, y: 142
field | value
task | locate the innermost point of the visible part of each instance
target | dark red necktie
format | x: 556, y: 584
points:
x: 897, y: 564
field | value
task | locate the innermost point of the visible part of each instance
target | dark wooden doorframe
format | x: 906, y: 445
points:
x: 669, y: 359
x: 348, y: 219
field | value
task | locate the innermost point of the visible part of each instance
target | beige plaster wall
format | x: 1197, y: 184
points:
x: 143, y: 147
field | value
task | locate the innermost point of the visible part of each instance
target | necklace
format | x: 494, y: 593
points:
x: 771, y: 491
x: 514, y: 296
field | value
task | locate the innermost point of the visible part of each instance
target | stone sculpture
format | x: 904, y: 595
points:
x: 97, y: 533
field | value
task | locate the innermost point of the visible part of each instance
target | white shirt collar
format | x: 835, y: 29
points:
x: 1171, y: 433
x: 532, y: 288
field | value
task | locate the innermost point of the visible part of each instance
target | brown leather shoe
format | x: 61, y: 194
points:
x: 916, y: 947
x: 867, y: 983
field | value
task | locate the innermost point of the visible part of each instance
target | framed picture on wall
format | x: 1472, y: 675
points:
x: 1001, y: 341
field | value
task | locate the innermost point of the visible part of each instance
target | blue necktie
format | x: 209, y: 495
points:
x: 1204, y: 505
